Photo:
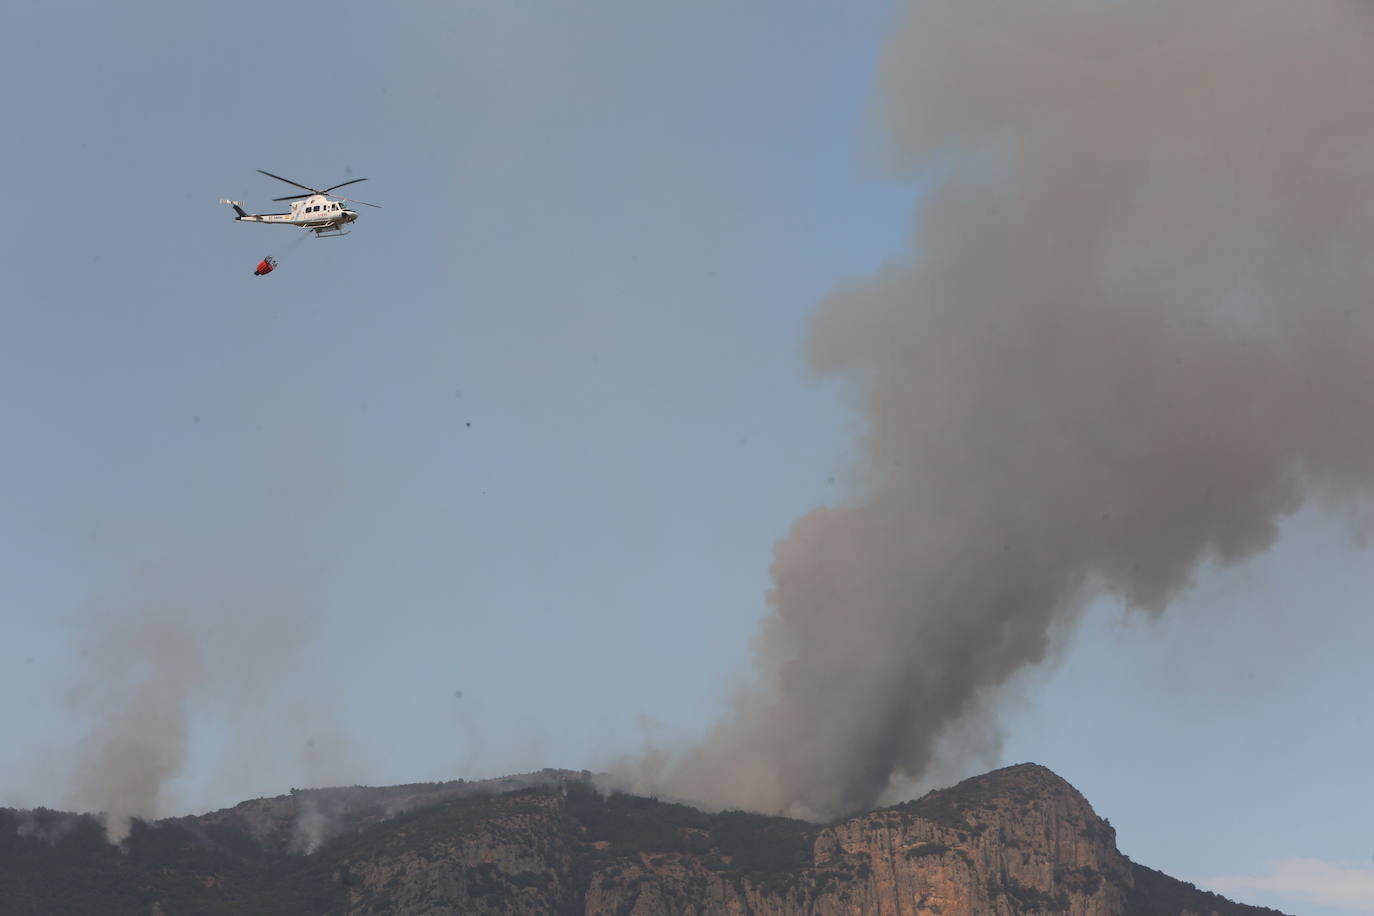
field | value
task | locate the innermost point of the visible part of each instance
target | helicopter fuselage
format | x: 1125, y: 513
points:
x: 318, y: 214
x: 315, y: 211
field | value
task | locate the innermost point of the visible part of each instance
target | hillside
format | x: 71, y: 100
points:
x: 1019, y: 840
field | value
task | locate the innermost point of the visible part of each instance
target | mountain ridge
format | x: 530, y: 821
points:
x: 1017, y: 840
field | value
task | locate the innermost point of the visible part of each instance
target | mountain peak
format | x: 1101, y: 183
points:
x: 1014, y: 788
x: 1017, y: 778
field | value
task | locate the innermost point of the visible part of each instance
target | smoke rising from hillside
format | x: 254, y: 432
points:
x: 149, y: 676
x: 212, y: 637
x: 141, y: 679
x: 1135, y: 332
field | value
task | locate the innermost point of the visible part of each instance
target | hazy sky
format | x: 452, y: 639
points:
x: 495, y: 482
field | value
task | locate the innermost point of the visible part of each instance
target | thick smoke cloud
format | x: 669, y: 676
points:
x: 1135, y: 331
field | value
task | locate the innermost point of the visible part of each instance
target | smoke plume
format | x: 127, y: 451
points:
x: 208, y: 643
x: 141, y: 679
x: 1134, y: 332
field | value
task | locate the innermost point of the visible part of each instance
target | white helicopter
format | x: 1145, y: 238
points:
x: 319, y: 211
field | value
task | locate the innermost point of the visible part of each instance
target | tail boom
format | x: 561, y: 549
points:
x: 244, y: 216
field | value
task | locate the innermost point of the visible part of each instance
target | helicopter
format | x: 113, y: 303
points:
x: 319, y: 211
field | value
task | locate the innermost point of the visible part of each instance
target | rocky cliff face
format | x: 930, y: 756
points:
x: 1016, y: 841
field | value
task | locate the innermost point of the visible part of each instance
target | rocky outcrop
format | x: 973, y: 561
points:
x: 1016, y: 841
x: 475, y: 858
x: 1020, y: 840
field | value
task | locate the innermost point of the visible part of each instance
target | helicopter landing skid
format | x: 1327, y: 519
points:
x: 329, y: 233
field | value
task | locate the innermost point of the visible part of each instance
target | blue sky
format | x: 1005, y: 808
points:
x: 493, y: 484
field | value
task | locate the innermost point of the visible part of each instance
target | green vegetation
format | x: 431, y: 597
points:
x: 1033, y: 899
x: 53, y: 864
x: 1156, y: 894
x: 1022, y: 786
x: 749, y: 843
x: 1081, y: 880
x: 927, y: 849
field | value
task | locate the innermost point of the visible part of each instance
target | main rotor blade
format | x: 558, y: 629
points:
x: 293, y: 197
x: 289, y: 181
x: 363, y: 202
x: 344, y: 185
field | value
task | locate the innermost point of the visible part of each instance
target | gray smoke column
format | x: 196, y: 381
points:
x: 212, y: 642
x: 140, y: 682
x: 1134, y: 332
